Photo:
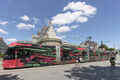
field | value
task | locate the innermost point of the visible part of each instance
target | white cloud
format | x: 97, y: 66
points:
x: 2, y: 31
x: 61, y: 37
x: 82, y: 19
x: 63, y: 29
x: 75, y: 26
x: 25, y: 18
x: 66, y: 18
x: 80, y: 13
x: 81, y: 6
x: 11, y: 39
x: 3, y: 23
x: 25, y: 26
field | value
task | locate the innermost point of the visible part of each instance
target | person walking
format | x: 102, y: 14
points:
x: 77, y: 60
x: 81, y: 58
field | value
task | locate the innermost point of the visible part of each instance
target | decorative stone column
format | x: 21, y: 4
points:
x: 58, y: 55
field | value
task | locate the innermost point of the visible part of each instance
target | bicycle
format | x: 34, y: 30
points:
x: 112, y: 68
x: 112, y: 61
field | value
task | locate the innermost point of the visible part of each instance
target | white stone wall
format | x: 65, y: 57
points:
x: 34, y: 41
x: 51, y: 33
x: 34, y: 38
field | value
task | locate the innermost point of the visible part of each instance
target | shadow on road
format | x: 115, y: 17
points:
x: 9, y: 77
x: 93, y: 73
x: 118, y: 63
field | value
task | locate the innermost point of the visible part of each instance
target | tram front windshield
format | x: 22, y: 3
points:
x: 9, y: 54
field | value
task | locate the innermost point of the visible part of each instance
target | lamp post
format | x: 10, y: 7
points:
x: 88, y: 51
x: 58, y: 56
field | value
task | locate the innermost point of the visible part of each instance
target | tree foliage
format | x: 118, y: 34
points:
x: 111, y: 49
x: 103, y: 46
x: 1, y: 55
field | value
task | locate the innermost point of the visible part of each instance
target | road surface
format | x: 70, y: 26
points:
x: 85, y: 71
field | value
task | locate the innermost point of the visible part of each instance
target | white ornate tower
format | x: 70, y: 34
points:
x: 47, y: 36
x: 50, y: 32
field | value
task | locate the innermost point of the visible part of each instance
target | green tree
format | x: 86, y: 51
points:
x: 111, y: 49
x: 1, y: 55
x: 103, y: 46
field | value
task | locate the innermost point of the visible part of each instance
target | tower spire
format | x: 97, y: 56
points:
x: 50, y: 23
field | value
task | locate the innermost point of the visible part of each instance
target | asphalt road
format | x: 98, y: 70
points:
x: 86, y: 71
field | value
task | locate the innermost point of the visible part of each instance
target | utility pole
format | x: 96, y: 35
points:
x: 88, y: 51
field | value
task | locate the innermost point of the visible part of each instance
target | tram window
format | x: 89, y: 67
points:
x: 84, y: 53
x: 27, y: 54
x: 10, y: 54
x: 23, y: 54
x: 66, y: 55
x: 20, y: 54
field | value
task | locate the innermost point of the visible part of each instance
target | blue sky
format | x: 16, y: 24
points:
x: 73, y: 20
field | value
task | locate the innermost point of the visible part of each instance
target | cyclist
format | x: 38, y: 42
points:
x: 112, y: 61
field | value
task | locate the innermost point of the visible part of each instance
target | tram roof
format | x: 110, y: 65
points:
x: 30, y: 45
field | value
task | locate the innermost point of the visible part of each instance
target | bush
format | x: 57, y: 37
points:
x: 1, y: 55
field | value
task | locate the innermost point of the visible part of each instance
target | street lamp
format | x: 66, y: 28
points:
x: 88, y: 47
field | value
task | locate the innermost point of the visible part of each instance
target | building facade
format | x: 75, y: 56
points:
x: 3, y: 46
x: 46, y: 36
x: 91, y: 44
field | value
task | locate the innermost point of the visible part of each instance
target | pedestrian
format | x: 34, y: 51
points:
x: 81, y: 58
x: 112, y: 62
x: 83, y: 54
x: 77, y: 60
